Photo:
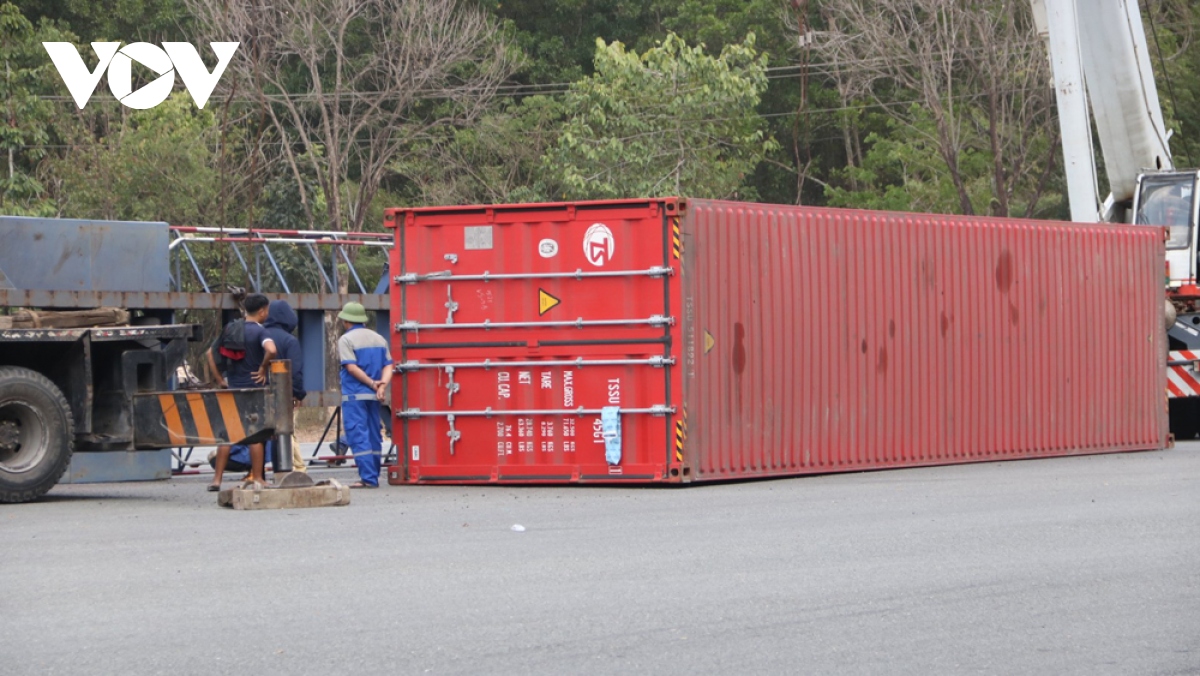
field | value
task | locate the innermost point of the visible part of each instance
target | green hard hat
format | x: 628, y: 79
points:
x: 354, y: 313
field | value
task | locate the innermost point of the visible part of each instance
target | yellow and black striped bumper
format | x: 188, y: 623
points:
x: 203, y: 417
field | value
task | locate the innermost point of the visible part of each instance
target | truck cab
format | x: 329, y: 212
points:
x: 1172, y: 199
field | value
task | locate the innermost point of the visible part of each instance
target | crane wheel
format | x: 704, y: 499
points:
x: 37, y: 434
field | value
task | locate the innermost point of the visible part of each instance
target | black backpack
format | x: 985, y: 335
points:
x: 231, y: 345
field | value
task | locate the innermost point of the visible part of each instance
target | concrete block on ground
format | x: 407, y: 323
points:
x: 329, y: 493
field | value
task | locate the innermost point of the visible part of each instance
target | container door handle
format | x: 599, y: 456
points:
x: 451, y: 387
x: 451, y: 306
x: 454, y: 434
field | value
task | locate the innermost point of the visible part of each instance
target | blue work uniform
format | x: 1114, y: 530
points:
x: 360, y: 409
x: 239, y: 457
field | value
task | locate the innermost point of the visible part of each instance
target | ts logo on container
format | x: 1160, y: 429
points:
x: 598, y: 244
x: 167, y: 60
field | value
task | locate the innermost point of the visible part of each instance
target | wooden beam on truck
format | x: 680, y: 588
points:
x: 74, y: 319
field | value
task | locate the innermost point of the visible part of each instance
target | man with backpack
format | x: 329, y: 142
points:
x: 239, y: 360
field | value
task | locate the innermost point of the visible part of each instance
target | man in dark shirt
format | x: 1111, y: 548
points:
x: 247, y: 372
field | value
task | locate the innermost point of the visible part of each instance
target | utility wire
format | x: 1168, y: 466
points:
x: 790, y: 113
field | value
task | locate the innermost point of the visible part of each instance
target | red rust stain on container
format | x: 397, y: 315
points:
x: 739, y: 348
x: 1004, y: 272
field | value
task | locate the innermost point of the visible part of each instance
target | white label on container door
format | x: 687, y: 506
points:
x: 477, y: 237
x: 598, y: 244
x: 547, y: 248
x: 416, y: 453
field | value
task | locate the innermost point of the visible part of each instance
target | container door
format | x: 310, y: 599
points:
x: 533, y: 344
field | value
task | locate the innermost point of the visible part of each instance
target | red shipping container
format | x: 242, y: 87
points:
x: 672, y: 340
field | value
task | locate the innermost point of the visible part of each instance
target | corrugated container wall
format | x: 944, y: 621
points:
x: 685, y: 340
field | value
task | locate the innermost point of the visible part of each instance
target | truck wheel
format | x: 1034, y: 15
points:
x: 37, y: 434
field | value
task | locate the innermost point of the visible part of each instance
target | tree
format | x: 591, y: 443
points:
x: 160, y: 164
x: 902, y: 170
x: 1171, y: 28
x: 347, y: 83
x: 796, y: 103
x: 559, y: 35
x: 673, y: 120
x: 977, y: 70
x: 29, y: 119
x: 495, y: 160
x: 124, y: 20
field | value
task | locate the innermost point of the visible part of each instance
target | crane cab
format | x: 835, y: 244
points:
x: 1172, y: 199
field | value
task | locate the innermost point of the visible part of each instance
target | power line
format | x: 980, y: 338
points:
x: 505, y: 91
x: 811, y: 111
x: 514, y: 90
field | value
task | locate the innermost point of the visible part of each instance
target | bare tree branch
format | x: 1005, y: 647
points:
x: 364, y: 71
x: 977, y: 69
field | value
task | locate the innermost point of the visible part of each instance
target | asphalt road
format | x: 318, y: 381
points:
x: 1087, y: 565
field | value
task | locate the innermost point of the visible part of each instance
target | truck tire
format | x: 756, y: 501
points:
x: 37, y: 434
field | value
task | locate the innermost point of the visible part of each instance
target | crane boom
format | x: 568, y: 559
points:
x: 1102, y: 44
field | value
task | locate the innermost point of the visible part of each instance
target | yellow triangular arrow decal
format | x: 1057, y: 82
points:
x: 546, y: 302
x: 709, y: 341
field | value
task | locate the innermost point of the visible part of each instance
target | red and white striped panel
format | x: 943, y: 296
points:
x: 1183, y: 381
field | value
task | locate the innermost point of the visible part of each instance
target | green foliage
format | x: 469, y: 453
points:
x: 493, y: 161
x: 124, y: 20
x: 663, y: 116
x: 558, y: 35
x: 26, y: 76
x: 156, y: 165
x: 1175, y: 56
x: 717, y: 23
x: 901, y: 171
x: 673, y: 120
x: 796, y: 108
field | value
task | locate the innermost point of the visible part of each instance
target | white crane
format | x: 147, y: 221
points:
x: 1101, y: 67
x: 1102, y: 72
